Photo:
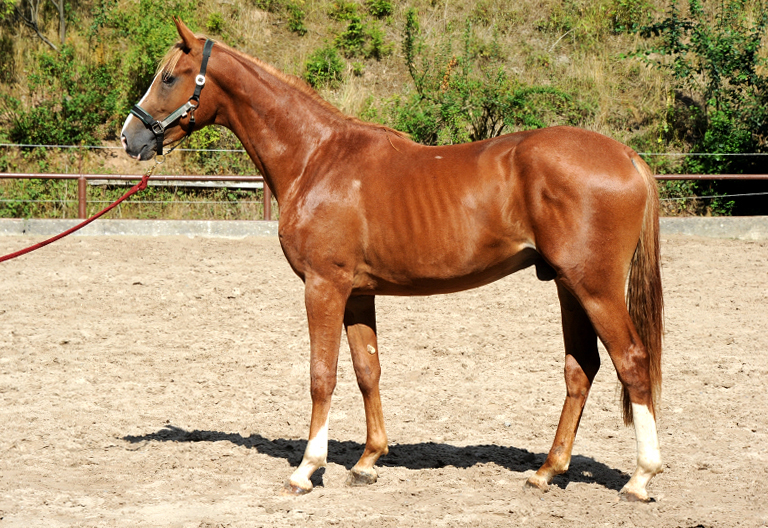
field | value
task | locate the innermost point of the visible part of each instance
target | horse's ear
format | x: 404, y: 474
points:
x: 187, y: 37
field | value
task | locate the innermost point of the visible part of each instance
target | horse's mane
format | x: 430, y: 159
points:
x: 168, y: 63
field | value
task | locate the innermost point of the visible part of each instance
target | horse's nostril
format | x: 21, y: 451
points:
x: 124, y: 142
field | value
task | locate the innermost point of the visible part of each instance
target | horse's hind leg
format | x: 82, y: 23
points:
x: 360, y: 323
x: 613, y: 324
x: 582, y: 362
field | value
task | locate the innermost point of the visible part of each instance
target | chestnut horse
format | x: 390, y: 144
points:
x: 365, y: 211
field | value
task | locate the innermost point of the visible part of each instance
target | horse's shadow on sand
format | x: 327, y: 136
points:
x: 427, y: 455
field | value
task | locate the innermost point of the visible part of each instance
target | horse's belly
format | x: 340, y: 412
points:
x: 429, y: 274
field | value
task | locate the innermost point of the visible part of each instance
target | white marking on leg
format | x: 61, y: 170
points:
x: 315, y: 457
x: 648, y: 453
x: 371, y: 349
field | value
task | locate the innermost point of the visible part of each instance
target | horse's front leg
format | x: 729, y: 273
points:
x: 325, y: 301
x: 360, y: 323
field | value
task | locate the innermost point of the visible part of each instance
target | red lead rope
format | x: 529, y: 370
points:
x: 133, y: 190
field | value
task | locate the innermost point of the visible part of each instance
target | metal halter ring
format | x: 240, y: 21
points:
x: 200, y: 80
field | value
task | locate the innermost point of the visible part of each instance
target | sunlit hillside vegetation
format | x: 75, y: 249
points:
x: 659, y: 76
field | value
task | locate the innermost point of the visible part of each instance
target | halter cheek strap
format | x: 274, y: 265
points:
x: 158, y: 127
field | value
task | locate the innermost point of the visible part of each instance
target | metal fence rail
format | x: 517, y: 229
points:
x: 82, y: 182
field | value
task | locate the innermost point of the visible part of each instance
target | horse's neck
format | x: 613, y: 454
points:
x: 279, y: 125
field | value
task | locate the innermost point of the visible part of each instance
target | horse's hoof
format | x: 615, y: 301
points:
x: 634, y: 496
x: 294, y: 490
x: 537, y: 482
x: 361, y: 478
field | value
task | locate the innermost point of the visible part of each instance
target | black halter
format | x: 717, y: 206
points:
x: 158, y: 127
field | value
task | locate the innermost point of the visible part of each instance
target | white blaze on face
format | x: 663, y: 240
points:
x: 144, y: 98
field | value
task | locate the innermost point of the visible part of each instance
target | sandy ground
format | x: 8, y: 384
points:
x: 164, y: 382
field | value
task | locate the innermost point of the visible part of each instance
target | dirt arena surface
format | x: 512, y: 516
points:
x: 164, y: 382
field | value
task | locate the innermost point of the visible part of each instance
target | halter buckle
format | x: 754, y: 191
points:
x: 157, y: 128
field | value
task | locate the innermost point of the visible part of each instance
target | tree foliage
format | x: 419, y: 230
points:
x: 722, y: 91
x: 465, y: 94
x: 715, y: 58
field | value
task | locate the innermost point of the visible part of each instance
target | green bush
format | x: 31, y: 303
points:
x: 366, y: 40
x: 352, y: 40
x: 76, y: 100
x: 271, y: 6
x: 379, y: 8
x: 715, y: 57
x: 377, y: 47
x: 296, y: 19
x: 628, y: 16
x: 343, y: 10
x: 460, y: 96
x: 215, y: 22
x: 324, y: 68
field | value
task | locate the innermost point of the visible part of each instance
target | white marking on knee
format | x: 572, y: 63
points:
x: 371, y: 349
x: 648, y: 453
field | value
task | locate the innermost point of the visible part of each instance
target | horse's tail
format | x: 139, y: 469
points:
x: 644, y: 294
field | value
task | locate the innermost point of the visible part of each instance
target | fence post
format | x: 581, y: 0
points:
x: 82, y: 197
x: 267, y: 202
x: 82, y: 188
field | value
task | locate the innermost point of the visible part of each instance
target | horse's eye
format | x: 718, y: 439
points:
x: 168, y: 79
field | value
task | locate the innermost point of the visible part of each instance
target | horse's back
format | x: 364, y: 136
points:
x: 416, y: 219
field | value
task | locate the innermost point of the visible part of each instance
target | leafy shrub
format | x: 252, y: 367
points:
x: 377, y: 48
x: 271, y: 6
x: 343, y: 10
x: 379, y: 8
x: 212, y: 162
x: 215, y: 22
x: 361, y: 39
x: 628, y: 16
x: 76, y: 99
x: 324, y: 68
x: 716, y: 58
x: 460, y: 98
x: 296, y: 19
x: 352, y: 40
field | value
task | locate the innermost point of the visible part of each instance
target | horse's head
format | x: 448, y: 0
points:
x: 171, y: 107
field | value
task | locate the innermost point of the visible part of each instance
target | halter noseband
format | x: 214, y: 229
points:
x: 158, y: 127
